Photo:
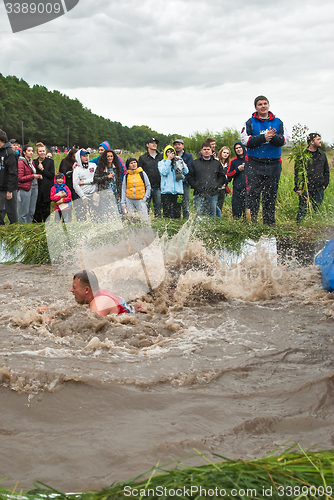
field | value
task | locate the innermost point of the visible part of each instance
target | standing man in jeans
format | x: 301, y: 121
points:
x: 188, y: 159
x: 263, y: 135
x: 149, y: 163
x: 317, y: 171
x: 206, y: 175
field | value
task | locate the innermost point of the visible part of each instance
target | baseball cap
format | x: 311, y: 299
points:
x: 83, y: 152
x: 152, y: 139
x: 178, y: 140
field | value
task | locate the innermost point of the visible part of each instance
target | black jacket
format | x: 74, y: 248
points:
x: 238, y: 176
x: 8, y: 169
x: 45, y: 184
x: 150, y: 167
x: 317, y: 172
x: 206, y: 176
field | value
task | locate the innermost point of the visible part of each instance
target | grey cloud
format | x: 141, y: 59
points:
x: 174, y: 45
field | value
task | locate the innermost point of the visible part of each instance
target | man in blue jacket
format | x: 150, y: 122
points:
x: 263, y: 135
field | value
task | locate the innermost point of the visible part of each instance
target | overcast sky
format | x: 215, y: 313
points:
x: 185, y: 65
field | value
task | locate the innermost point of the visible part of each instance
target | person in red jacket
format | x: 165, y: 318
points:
x: 61, y: 195
x: 28, y: 187
x: 86, y: 290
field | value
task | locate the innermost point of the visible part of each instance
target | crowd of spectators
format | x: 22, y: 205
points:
x: 163, y: 179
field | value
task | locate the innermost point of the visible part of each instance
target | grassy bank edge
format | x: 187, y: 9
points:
x: 27, y: 242
x: 285, y: 475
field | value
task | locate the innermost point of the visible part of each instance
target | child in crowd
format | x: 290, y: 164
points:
x: 61, y: 195
x: 172, y: 170
x: 136, y: 189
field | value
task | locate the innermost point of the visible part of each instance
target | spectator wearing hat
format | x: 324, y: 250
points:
x: 83, y: 183
x: 149, y: 163
x: 188, y: 159
x: 15, y: 147
x: 105, y: 146
x: 173, y: 171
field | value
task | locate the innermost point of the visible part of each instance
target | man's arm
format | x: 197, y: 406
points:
x: 254, y: 141
x: 141, y: 162
x: 232, y: 171
x: 248, y: 139
x: 12, y: 174
x: 76, y: 186
x: 103, y: 305
x: 191, y: 177
x: 281, y: 136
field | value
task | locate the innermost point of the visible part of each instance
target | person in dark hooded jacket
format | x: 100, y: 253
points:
x: 236, y: 171
x: 8, y: 180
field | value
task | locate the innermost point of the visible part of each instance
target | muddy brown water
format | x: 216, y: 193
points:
x: 234, y: 361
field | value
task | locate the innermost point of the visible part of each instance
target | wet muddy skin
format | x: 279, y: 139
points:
x: 233, y: 361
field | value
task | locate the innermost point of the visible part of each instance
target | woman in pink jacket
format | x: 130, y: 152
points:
x: 27, y: 185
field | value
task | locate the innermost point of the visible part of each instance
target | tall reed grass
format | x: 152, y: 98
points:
x: 293, y: 474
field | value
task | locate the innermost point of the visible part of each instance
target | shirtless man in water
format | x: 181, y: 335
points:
x: 86, y: 290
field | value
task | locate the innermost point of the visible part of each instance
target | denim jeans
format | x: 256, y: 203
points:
x: 206, y: 205
x: 156, y: 197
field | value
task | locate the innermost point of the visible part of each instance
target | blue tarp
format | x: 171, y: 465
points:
x: 325, y: 259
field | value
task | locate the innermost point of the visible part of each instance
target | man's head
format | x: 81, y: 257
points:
x: 14, y: 144
x: 239, y: 150
x: 178, y: 146
x: 314, y: 140
x: 206, y: 150
x: 261, y: 104
x: 152, y: 144
x: 212, y: 143
x: 104, y: 146
x: 3, y: 138
x: 84, y: 285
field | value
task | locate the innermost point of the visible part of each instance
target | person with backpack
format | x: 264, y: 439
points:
x: 172, y: 171
x: 136, y: 189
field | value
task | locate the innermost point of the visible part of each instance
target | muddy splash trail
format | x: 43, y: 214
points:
x: 231, y: 360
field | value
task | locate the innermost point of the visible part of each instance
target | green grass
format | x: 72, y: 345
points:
x: 293, y: 474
